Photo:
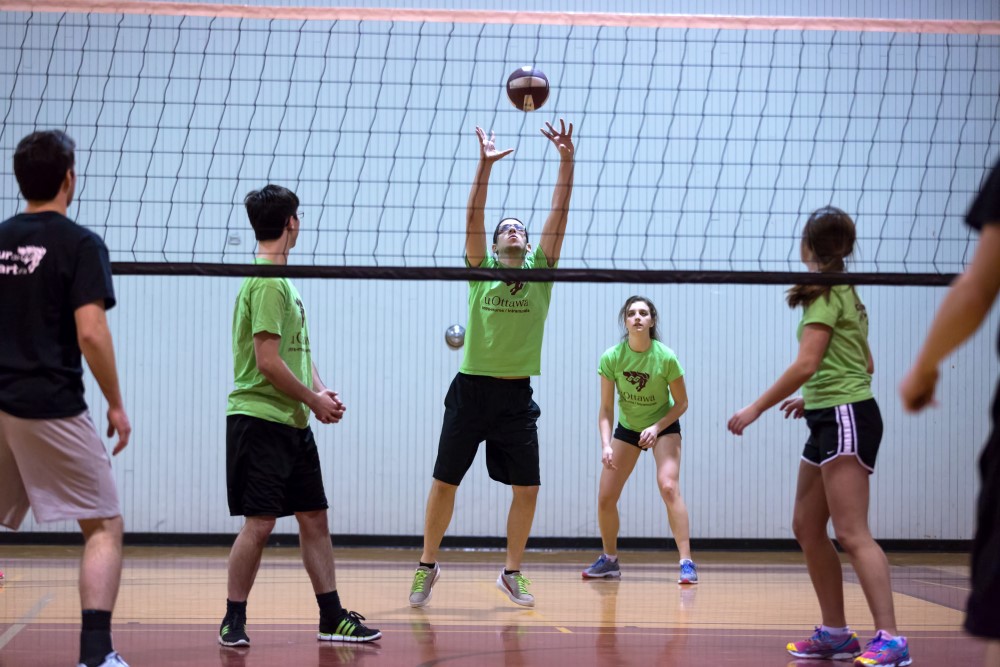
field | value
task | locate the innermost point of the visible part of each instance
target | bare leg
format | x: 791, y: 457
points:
x: 624, y: 457
x: 811, y: 516
x: 101, y: 565
x: 667, y: 452
x: 992, y: 656
x: 846, y: 484
x: 244, y: 558
x: 519, y: 520
x: 317, y: 550
x: 440, y: 507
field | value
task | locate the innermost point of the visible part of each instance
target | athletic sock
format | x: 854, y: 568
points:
x: 429, y: 566
x: 329, y: 605
x: 236, y: 608
x: 510, y: 572
x: 610, y: 558
x: 95, y: 637
x: 836, y: 632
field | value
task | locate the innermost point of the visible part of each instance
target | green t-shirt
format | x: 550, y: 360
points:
x: 506, y: 323
x: 643, y: 381
x: 272, y: 305
x: 842, y: 376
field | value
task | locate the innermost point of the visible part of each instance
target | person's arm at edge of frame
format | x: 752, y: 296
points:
x: 964, y: 307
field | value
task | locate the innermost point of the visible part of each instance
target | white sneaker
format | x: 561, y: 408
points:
x: 516, y: 587
x: 110, y: 660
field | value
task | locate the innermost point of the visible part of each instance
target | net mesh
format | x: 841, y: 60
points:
x: 698, y: 149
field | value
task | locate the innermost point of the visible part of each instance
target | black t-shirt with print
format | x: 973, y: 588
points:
x: 49, y: 267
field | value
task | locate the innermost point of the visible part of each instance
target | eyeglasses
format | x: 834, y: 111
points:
x: 507, y: 226
x: 300, y: 215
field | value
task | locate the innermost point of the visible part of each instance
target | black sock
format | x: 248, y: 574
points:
x: 236, y: 608
x: 510, y: 572
x: 95, y: 637
x: 429, y: 566
x: 329, y: 605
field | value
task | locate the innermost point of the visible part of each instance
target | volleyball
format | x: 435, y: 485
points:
x: 455, y: 336
x: 528, y: 88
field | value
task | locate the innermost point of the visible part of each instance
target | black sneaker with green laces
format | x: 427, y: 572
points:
x: 233, y: 631
x: 347, y: 628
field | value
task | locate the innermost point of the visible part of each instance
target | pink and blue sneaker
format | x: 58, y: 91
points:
x: 824, y: 646
x: 885, y: 651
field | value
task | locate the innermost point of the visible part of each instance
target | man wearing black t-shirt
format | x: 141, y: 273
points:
x: 964, y: 308
x: 55, y: 286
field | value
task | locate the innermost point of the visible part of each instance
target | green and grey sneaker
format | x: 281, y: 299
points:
x: 233, y: 631
x: 347, y: 628
x: 516, y: 587
x: 423, y: 581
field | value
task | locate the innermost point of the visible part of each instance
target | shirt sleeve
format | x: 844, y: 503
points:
x: 985, y: 209
x: 824, y: 310
x: 674, y: 369
x: 604, y: 367
x: 92, y: 276
x: 267, y: 307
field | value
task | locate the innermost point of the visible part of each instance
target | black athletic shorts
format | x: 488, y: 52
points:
x: 271, y: 469
x: 983, y: 617
x: 632, y: 437
x: 853, y: 429
x: 502, y: 413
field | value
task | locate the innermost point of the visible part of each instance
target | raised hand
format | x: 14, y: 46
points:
x: 487, y: 147
x: 561, y: 139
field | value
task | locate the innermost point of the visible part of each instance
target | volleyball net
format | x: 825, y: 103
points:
x: 703, y: 142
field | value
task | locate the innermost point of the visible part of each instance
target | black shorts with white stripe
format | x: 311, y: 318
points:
x: 853, y: 429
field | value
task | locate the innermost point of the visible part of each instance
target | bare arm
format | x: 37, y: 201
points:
x: 812, y: 347
x: 605, y: 417
x: 554, y: 230
x: 94, y: 338
x: 962, y: 311
x: 679, y: 391
x: 475, y: 224
x: 267, y: 348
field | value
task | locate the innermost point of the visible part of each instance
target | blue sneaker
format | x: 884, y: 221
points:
x: 689, y: 572
x: 885, y: 652
x: 602, y: 568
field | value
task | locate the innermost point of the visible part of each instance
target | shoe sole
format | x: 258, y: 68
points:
x: 835, y: 656
x: 236, y: 644
x: 687, y: 583
x: 606, y: 575
x: 348, y: 640
x: 523, y: 603
x: 430, y: 589
x: 901, y: 663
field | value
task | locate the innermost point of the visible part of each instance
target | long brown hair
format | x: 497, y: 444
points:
x: 829, y: 235
x: 653, y: 333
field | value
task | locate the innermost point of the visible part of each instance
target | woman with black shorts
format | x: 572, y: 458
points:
x: 834, y: 369
x: 651, y: 399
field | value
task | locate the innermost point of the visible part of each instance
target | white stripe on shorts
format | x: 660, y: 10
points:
x: 846, y: 431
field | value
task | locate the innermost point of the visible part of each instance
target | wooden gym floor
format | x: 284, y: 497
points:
x: 747, y: 606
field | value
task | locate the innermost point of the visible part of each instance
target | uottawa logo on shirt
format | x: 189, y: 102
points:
x: 638, y: 378
x: 515, y: 286
x: 21, y: 262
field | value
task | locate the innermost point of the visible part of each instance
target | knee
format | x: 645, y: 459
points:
x: 313, y: 523
x: 607, y: 502
x: 851, y: 541
x: 443, y: 491
x: 258, y: 529
x: 112, y: 528
x: 669, y: 490
x: 527, y: 494
x: 808, y: 532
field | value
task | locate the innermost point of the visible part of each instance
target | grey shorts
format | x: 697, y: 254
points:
x: 58, y: 467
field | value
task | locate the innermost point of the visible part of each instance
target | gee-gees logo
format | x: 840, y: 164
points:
x: 517, y: 286
x: 637, y: 378
x: 302, y: 311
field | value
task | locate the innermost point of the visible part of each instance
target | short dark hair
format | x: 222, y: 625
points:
x: 41, y: 161
x: 269, y: 210
x: 496, y: 230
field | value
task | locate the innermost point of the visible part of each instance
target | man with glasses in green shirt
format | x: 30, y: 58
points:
x: 490, y: 398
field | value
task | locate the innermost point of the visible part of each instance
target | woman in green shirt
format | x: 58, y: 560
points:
x: 651, y: 399
x: 833, y: 368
